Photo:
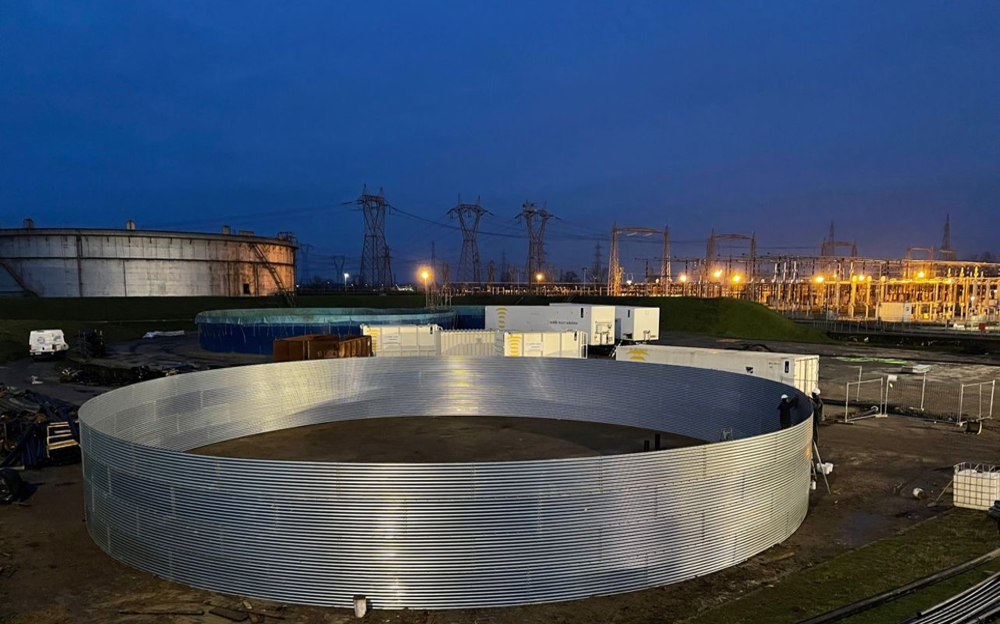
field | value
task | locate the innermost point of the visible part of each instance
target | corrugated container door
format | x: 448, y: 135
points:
x: 470, y: 342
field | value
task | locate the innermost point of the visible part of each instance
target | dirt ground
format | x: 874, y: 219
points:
x: 52, y: 573
x: 445, y: 439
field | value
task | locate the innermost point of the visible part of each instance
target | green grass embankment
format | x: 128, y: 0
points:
x: 732, y: 318
x: 942, y: 542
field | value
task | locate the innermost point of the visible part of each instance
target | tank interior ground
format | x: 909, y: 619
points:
x: 445, y: 439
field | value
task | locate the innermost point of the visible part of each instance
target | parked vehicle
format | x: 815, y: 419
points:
x: 47, y: 343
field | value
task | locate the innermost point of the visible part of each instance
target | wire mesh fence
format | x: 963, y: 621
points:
x: 975, y: 401
x: 874, y: 394
x: 864, y: 399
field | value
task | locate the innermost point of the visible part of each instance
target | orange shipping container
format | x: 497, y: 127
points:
x: 321, y: 347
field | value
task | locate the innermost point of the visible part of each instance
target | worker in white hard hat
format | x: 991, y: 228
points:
x: 818, y: 405
x: 785, y: 410
x: 818, y: 416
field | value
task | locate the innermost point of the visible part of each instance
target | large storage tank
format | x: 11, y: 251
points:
x: 142, y: 263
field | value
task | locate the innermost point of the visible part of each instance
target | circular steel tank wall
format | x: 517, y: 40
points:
x: 142, y: 263
x: 441, y: 535
x: 255, y: 330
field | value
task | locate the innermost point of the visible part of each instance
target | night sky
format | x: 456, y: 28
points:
x: 771, y: 117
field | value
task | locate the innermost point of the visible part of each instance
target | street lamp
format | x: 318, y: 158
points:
x: 346, y: 275
x: 684, y: 277
x: 718, y: 273
x: 425, y: 274
x: 819, y: 279
x: 737, y: 278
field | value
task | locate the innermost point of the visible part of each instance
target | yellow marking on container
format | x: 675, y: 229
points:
x: 638, y: 355
x: 502, y: 318
x: 515, y: 346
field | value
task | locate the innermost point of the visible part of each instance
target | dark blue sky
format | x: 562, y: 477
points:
x: 775, y: 117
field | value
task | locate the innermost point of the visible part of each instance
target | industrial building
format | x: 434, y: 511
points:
x: 83, y: 262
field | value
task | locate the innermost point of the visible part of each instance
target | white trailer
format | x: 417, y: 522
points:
x: 596, y: 321
x: 470, y: 342
x: 569, y: 344
x: 800, y: 371
x: 403, y: 340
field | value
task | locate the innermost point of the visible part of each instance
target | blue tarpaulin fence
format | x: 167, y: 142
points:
x: 254, y: 331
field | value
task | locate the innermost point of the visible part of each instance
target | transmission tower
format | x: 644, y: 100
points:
x: 469, y: 216
x: 665, y: 269
x: 376, y: 271
x: 615, y: 269
x: 338, y: 266
x: 596, y: 269
x: 946, y: 252
x: 535, y: 220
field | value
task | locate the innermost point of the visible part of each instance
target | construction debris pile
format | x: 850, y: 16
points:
x: 93, y: 374
x: 36, y: 430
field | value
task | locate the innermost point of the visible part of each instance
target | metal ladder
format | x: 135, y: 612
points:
x: 288, y: 296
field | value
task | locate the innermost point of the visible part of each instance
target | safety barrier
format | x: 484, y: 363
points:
x: 975, y: 401
x: 441, y: 535
x: 865, y: 399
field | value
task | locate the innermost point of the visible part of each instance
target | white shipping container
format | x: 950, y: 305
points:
x: 637, y: 324
x: 895, y: 312
x: 402, y: 340
x: 800, y: 371
x: 632, y: 323
x: 597, y: 322
x: 570, y: 344
x: 470, y: 342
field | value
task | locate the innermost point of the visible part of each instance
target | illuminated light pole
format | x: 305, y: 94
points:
x: 346, y: 275
x: 684, y: 283
x: 425, y: 275
x: 819, y: 279
x: 538, y: 278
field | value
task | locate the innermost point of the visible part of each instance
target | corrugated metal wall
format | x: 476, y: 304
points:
x: 112, y: 263
x: 441, y: 535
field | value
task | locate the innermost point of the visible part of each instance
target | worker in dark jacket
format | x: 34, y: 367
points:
x: 818, y: 405
x: 817, y: 413
x: 785, y: 410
